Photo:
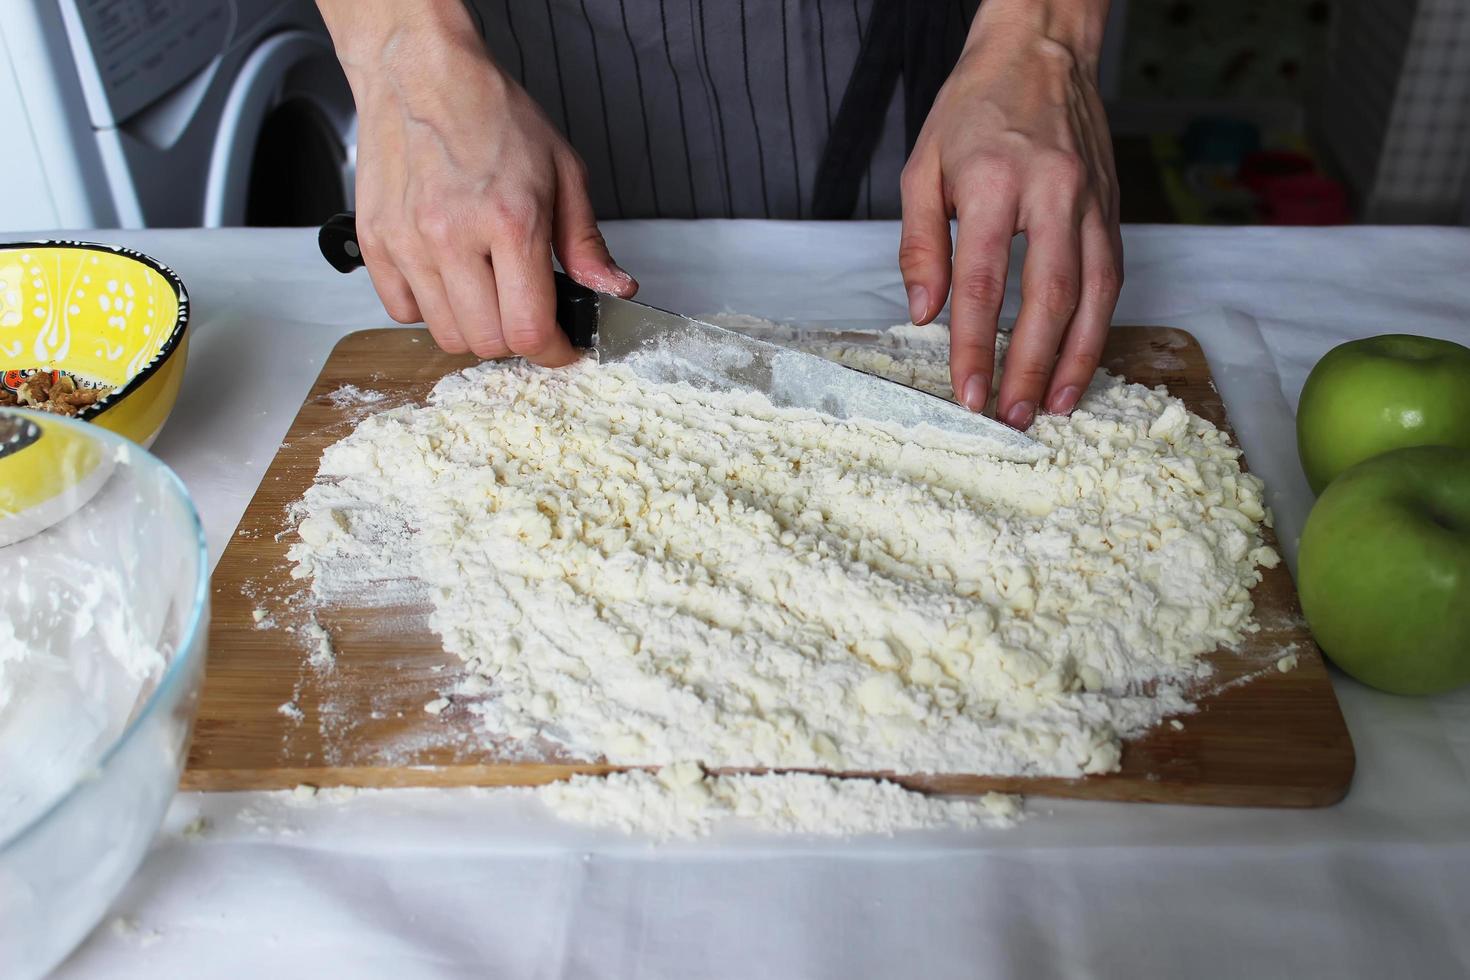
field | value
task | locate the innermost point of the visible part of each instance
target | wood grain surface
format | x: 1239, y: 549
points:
x: 1261, y: 737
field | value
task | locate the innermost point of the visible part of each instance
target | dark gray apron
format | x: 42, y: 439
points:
x: 733, y: 108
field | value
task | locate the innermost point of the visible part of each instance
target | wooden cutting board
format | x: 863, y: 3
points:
x: 1262, y: 737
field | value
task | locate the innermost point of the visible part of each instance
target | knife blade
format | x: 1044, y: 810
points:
x: 669, y: 348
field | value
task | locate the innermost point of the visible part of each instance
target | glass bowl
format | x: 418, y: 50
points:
x: 103, y: 616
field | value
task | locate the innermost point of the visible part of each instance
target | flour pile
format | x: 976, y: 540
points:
x: 653, y: 574
x: 683, y: 801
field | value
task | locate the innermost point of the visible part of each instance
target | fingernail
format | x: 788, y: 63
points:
x: 620, y: 281
x: 1065, y: 400
x: 612, y: 278
x: 1021, y: 414
x: 977, y: 391
x: 919, y: 306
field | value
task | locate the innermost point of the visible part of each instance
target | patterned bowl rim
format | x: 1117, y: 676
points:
x: 175, y: 337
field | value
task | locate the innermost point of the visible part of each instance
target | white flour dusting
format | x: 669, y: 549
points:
x: 650, y: 574
x: 323, y: 656
x: 681, y: 800
x: 351, y: 396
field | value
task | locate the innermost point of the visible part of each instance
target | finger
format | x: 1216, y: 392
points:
x: 471, y: 289
x: 981, y: 256
x: 392, y: 288
x: 578, y: 242
x: 924, y: 246
x: 528, y: 298
x: 428, y: 293
x: 1081, y: 348
x: 1049, y: 291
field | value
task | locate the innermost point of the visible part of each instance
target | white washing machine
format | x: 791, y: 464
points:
x: 171, y: 113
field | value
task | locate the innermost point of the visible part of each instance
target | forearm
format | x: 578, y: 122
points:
x: 1077, y: 25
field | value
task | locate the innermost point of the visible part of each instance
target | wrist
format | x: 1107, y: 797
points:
x: 372, y: 37
x: 1077, y: 25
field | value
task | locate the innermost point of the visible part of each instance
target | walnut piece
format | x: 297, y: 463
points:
x: 53, y: 392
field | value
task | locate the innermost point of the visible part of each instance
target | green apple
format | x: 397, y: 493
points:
x: 1368, y: 396
x: 1384, y: 570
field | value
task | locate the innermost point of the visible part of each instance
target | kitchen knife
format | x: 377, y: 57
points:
x: 667, y: 348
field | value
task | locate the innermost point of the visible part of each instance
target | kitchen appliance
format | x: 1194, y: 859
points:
x: 186, y: 113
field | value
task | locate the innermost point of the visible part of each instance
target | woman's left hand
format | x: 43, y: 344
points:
x: 1017, y: 142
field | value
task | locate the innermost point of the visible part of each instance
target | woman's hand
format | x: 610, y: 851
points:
x: 1018, y: 141
x: 463, y: 185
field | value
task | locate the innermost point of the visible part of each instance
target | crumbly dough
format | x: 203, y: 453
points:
x: 683, y: 800
x: 653, y: 575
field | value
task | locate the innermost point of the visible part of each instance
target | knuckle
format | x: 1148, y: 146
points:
x: 449, y: 342
x: 1081, y: 365
x: 575, y: 172
x: 484, y: 342
x: 1059, y: 295
x: 400, y: 310
x: 372, y: 241
x: 988, y: 174
x: 1105, y: 283
x: 912, y: 180
x: 1029, y: 375
x: 437, y: 226
x: 517, y: 218
x: 583, y: 238
x: 446, y: 336
x: 527, y: 339
x: 915, y: 249
x: 1067, y: 171
x: 592, y: 235
x: 984, y: 287
x: 381, y: 243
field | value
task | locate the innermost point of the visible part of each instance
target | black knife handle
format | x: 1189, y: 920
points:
x: 338, y: 242
x: 576, y: 305
x: 576, y: 311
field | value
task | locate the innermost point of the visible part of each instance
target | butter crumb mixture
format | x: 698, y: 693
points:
x: 654, y: 574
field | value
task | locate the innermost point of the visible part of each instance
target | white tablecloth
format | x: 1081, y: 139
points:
x: 431, y: 883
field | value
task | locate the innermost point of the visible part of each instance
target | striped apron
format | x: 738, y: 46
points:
x: 733, y: 108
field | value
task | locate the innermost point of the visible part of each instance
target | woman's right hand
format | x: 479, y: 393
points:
x: 464, y: 187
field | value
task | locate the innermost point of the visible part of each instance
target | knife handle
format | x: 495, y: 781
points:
x: 338, y: 241
x: 576, y: 311
x: 576, y: 305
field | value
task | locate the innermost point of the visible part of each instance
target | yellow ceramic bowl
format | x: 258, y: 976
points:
x: 102, y: 313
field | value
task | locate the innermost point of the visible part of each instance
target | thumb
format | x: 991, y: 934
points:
x: 578, y: 242
x: 924, y: 247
